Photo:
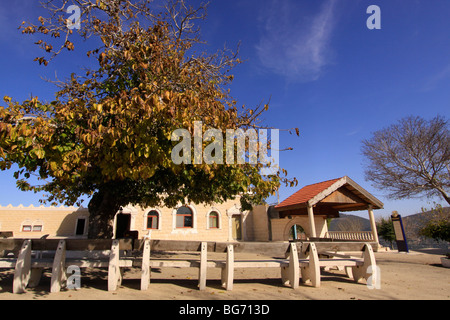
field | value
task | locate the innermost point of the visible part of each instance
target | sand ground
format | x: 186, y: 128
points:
x: 413, y: 276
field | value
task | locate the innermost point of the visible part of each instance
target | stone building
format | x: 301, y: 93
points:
x: 301, y: 216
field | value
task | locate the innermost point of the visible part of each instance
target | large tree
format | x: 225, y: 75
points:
x: 437, y: 224
x: 410, y: 158
x: 386, y: 230
x: 107, y: 134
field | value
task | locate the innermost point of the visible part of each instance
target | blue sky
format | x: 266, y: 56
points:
x: 323, y: 69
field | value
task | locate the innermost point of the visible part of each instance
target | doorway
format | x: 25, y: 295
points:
x: 236, y: 227
x: 123, y: 223
x: 80, y: 227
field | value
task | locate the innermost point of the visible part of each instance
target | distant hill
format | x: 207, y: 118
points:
x: 412, y: 224
x: 348, y: 222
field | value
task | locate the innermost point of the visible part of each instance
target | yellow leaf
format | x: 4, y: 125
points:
x: 53, y: 166
x: 40, y: 153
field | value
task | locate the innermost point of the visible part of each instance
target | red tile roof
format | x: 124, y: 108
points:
x: 306, y: 193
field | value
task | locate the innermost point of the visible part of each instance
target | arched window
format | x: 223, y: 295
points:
x: 297, y: 233
x: 213, y: 220
x: 185, y: 218
x: 153, y: 220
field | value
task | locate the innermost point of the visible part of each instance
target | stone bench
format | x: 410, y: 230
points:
x: 358, y: 268
x: 301, y: 259
x: 33, y: 256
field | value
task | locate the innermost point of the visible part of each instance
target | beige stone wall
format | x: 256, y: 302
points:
x: 54, y: 222
x: 260, y: 223
x: 61, y: 222
x: 167, y: 224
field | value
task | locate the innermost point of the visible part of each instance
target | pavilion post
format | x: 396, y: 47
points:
x: 312, y: 224
x: 373, y: 225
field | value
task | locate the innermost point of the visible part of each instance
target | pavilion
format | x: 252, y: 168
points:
x: 327, y: 199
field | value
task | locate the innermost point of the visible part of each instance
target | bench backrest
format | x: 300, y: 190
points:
x: 263, y: 248
x: 14, y: 245
x: 334, y: 246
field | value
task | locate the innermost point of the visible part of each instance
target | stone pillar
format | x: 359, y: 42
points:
x: 373, y: 225
x: 312, y: 224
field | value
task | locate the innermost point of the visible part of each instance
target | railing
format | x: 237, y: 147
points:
x: 350, y: 235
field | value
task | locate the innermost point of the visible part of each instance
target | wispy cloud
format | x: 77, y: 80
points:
x: 294, y: 43
x: 433, y: 81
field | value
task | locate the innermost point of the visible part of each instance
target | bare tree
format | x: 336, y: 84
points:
x: 410, y: 158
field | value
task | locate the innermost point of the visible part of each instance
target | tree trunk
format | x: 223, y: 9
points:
x: 445, y: 195
x: 102, y: 210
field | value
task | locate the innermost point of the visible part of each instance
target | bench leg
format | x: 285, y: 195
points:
x: 203, y: 266
x: 145, y: 276
x: 285, y: 276
x: 228, y: 270
x: 58, y: 269
x: 35, y: 277
x: 368, y: 269
x: 312, y: 271
x: 349, y: 272
x: 114, y: 273
x: 22, y: 270
x: 293, y: 271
